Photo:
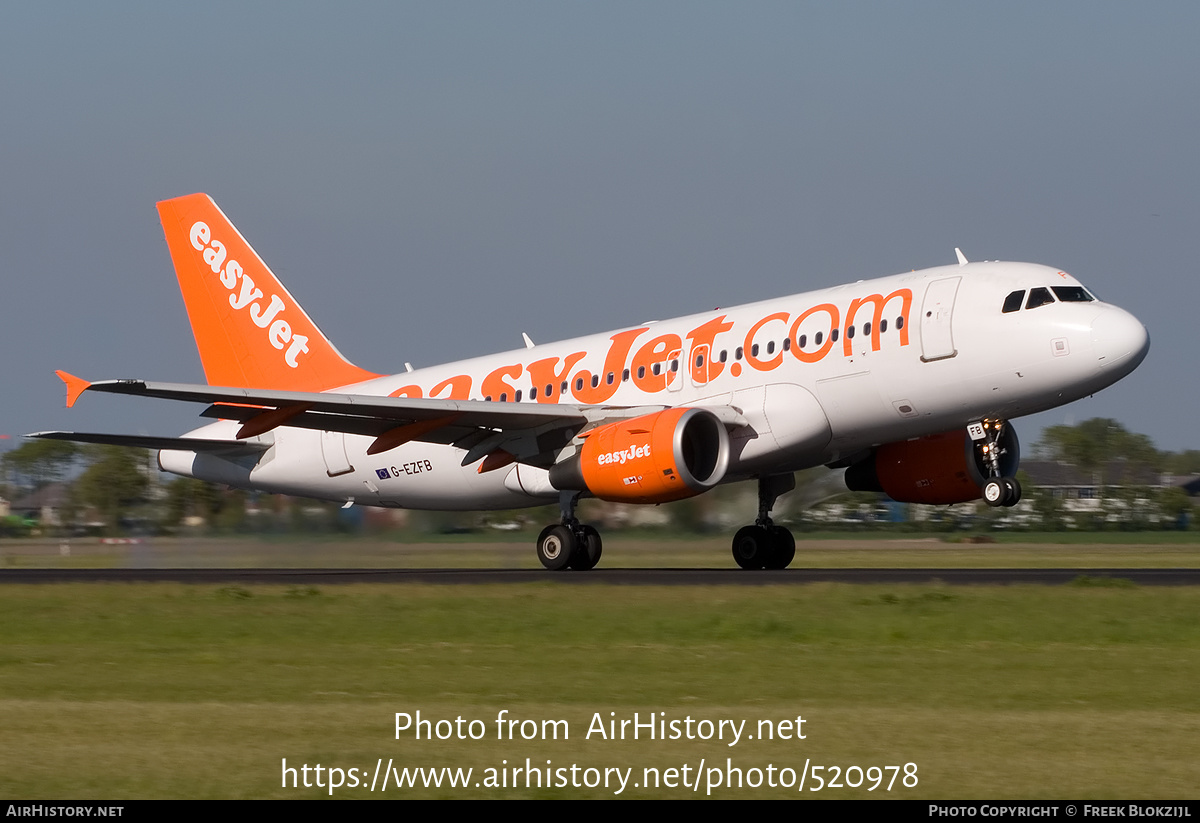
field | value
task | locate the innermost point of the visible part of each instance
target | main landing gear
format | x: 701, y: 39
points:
x: 569, y: 544
x: 574, y: 545
x: 765, y: 545
x: 997, y: 490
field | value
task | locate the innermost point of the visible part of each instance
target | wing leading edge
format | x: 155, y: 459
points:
x: 531, y: 433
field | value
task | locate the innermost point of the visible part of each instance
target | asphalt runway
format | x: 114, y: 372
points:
x: 620, y: 577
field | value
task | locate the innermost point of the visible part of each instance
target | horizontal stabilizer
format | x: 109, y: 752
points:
x: 139, y: 441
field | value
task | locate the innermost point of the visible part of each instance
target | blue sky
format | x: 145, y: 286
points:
x: 432, y: 179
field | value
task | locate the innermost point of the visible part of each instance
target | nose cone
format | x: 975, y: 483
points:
x: 1119, y: 340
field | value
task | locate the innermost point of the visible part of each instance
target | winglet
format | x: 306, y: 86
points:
x: 75, y: 386
x: 962, y: 258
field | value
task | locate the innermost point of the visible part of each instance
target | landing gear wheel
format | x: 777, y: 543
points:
x: 782, y: 548
x: 751, y: 547
x: 555, y: 547
x: 1012, y: 491
x: 588, y: 548
x: 995, y: 492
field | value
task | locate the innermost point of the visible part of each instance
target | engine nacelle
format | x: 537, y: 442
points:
x: 939, y: 469
x: 657, y: 458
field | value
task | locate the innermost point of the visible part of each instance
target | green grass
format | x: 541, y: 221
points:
x: 125, y: 691
x: 621, y: 550
x: 1113, y: 538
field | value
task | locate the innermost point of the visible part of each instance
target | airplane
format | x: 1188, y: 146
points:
x: 908, y: 382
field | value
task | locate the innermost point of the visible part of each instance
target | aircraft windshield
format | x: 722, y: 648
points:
x: 1072, y: 294
x: 1013, y: 301
x: 1039, y: 297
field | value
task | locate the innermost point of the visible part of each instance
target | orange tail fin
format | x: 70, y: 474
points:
x: 249, y: 330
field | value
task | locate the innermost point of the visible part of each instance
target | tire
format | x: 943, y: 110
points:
x: 994, y: 492
x: 751, y: 547
x: 1012, y: 491
x: 555, y: 547
x: 588, y: 548
x: 782, y: 548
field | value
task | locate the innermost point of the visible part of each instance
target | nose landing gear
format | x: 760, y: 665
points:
x: 1002, y: 491
x: 997, y: 490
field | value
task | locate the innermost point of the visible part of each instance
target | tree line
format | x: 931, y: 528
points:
x: 114, y: 489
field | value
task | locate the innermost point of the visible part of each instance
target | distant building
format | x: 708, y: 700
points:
x: 1068, y: 482
x: 44, y: 505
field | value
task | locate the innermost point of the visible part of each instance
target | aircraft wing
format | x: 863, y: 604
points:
x: 530, y: 432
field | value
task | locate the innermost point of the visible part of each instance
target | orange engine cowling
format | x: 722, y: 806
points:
x: 668, y: 455
x: 939, y: 469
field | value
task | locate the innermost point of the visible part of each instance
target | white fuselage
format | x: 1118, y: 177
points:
x: 818, y: 377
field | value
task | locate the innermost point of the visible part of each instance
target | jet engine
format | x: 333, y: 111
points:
x: 940, y: 469
x: 656, y: 458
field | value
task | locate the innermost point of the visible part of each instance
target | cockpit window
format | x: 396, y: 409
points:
x: 1038, y: 297
x: 1013, y: 301
x: 1072, y: 294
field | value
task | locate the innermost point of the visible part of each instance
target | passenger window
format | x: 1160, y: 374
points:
x: 1072, y: 294
x: 787, y: 344
x: 803, y: 340
x: 882, y: 326
x: 517, y: 397
x: 532, y: 393
x: 1039, y: 297
x: 900, y: 322
x: 1013, y: 301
